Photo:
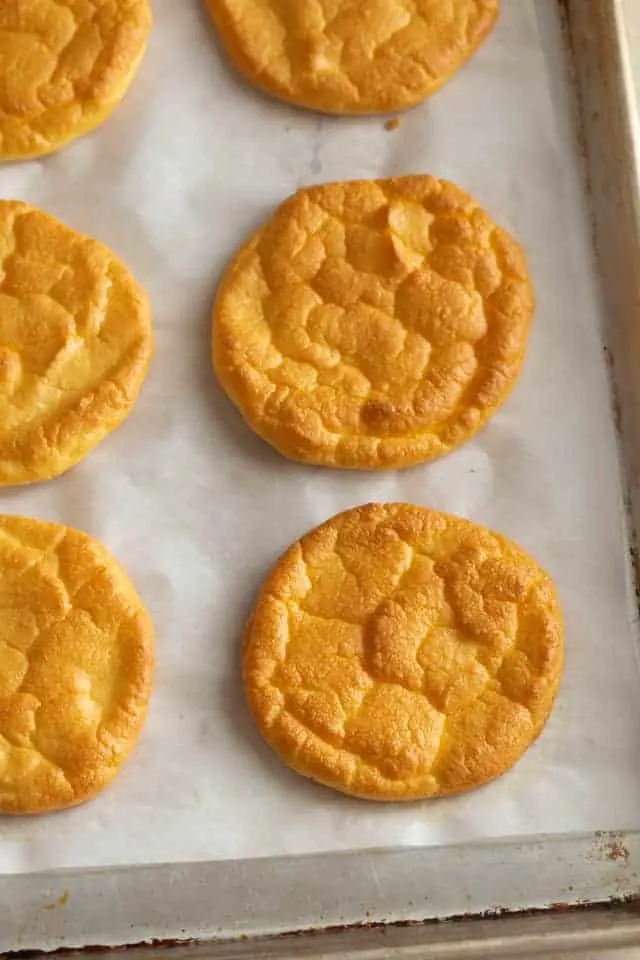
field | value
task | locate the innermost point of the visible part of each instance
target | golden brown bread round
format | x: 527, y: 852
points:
x: 76, y: 660
x: 64, y: 66
x: 351, y: 56
x: 75, y: 344
x: 397, y: 653
x: 372, y: 324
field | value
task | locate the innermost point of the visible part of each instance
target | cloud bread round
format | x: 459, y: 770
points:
x: 397, y: 653
x: 373, y: 323
x: 75, y: 343
x: 76, y: 659
x: 351, y: 56
x: 64, y: 66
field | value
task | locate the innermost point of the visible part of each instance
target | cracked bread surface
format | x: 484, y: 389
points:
x: 76, y: 662
x: 75, y: 344
x: 398, y: 653
x: 64, y: 66
x: 351, y: 56
x: 373, y: 324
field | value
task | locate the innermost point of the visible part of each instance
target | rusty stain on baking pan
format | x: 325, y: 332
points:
x: 611, y: 845
x: 60, y: 901
x: 382, y: 927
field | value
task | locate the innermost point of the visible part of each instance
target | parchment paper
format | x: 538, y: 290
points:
x: 197, y: 508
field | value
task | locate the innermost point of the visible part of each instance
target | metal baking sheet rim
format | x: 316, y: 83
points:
x: 342, y: 903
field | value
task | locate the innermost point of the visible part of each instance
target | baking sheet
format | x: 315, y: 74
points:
x: 197, y: 508
x: 631, y: 13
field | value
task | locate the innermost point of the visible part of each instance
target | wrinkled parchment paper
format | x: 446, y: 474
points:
x: 197, y: 508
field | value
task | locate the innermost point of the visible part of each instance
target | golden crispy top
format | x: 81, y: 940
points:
x: 64, y: 64
x: 397, y: 653
x: 75, y: 343
x: 76, y: 658
x: 373, y: 323
x: 352, y: 56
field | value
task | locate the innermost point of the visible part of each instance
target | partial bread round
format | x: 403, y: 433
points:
x: 373, y: 324
x: 352, y: 57
x: 396, y: 653
x: 75, y: 344
x: 76, y: 661
x: 64, y: 66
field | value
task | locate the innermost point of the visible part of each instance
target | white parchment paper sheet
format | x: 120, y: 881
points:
x: 197, y: 508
